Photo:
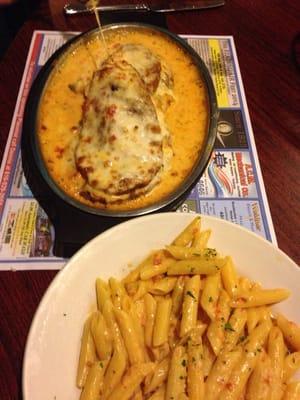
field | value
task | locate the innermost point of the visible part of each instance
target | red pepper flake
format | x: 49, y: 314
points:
x: 241, y: 300
x: 80, y: 159
x: 218, y: 311
x: 157, y: 260
x: 94, y: 183
x: 229, y: 386
x: 111, y: 110
x: 267, y: 380
x: 155, y: 129
x: 59, y: 151
x: 85, y: 107
x: 156, y: 278
x: 112, y: 138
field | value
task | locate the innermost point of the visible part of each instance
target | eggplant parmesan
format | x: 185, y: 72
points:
x: 121, y: 129
x: 120, y: 149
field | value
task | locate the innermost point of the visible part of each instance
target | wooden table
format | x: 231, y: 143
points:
x: 263, y: 33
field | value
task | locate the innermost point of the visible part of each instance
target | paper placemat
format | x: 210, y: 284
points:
x: 231, y: 188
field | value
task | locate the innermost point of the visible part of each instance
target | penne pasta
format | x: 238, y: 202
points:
x: 196, y: 266
x: 159, y: 377
x: 87, y: 354
x: 187, y: 235
x: 163, y: 286
x: 244, y: 285
x: 260, y: 381
x: 257, y: 298
x: 134, y: 275
x: 138, y: 394
x: 142, y: 289
x: 109, y: 316
x: 196, y: 234
x: 183, y: 396
x: 173, y: 331
x: 177, y: 374
x: 190, y: 305
x: 257, y: 338
x: 237, y: 381
x: 183, y: 253
x: 229, y: 277
x: 118, y: 293
x: 160, y: 352
x: 103, y: 293
x: 115, y: 370
x: 131, y: 381
x: 242, y: 371
x: 217, y: 328
x: 256, y: 315
x: 201, y: 239
x: 101, y: 335
x: 195, y: 374
x: 197, y: 331
x: 183, y: 325
x: 210, y: 295
x: 94, y: 381
x: 140, y: 310
x: 177, y: 296
x: 276, y: 351
x: 252, y: 318
x: 159, y: 394
x: 150, y: 306
x: 265, y: 313
x: 220, y: 373
x: 292, y: 391
x: 138, y: 326
x: 130, y: 337
x: 158, y: 264
x: 132, y: 287
x: 291, y: 365
x: 208, y: 357
x: 234, y: 329
x: 290, y: 330
x: 162, y: 322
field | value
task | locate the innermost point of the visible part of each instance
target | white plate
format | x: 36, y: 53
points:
x: 53, y: 343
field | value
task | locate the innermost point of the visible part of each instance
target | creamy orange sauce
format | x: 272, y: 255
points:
x: 60, y: 114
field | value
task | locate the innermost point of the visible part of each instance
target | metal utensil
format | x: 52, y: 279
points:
x: 160, y: 7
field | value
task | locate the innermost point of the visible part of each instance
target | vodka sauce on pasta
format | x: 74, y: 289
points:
x: 184, y: 325
x: 104, y: 156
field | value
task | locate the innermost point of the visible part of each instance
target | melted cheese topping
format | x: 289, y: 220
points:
x: 120, y: 150
x: 143, y: 60
x: 60, y: 114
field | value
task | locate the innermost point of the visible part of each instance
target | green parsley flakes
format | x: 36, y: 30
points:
x: 189, y: 293
x: 228, y: 327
